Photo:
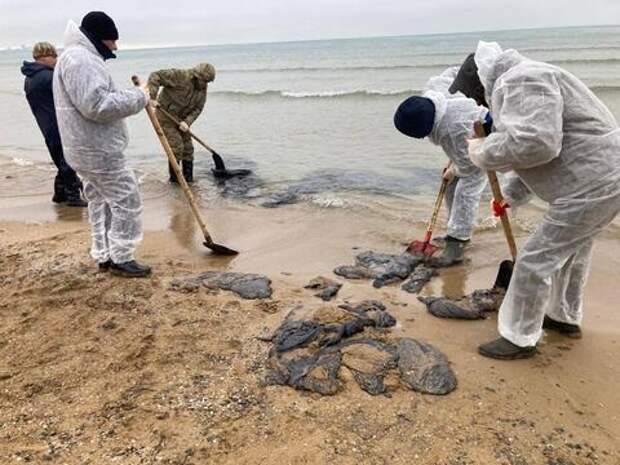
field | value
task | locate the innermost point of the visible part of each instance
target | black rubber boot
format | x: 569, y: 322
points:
x: 60, y: 195
x: 452, y: 254
x: 503, y: 349
x: 188, y: 170
x: 104, y: 266
x: 76, y: 201
x: 131, y: 269
x: 566, y: 329
x: 73, y: 191
x: 172, y: 175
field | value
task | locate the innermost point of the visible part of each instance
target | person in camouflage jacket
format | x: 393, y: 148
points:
x: 183, y: 94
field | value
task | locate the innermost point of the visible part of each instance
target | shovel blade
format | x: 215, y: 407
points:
x: 422, y: 248
x: 218, y: 162
x: 504, y: 274
x: 227, y: 174
x: 219, y: 249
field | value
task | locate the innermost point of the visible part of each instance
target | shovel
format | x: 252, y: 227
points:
x: 505, y: 269
x: 216, y: 248
x: 425, y: 247
x: 220, y: 170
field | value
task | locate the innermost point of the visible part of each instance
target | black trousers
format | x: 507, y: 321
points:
x: 67, y: 185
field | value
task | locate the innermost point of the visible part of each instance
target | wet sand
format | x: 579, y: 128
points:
x: 97, y: 369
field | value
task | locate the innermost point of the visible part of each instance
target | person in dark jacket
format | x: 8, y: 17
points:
x: 38, y: 88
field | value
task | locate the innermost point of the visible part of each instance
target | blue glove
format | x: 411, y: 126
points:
x: 488, y: 124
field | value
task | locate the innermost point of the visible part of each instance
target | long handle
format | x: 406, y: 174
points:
x: 436, y: 208
x: 175, y: 166
x: 499, y: 198
x: 177, y: 122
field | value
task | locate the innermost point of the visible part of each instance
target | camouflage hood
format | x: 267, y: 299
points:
x: 204, y: 71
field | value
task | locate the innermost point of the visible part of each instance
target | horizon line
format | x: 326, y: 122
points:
x: 425, y: 34
x: 270, y: 42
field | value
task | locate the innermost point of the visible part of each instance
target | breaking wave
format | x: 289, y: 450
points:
x: 569, y: 49
x: 404, y: 67
x: 22, y: 162
x: 318, y: 94
x: 586, y: 61
x: 359, y: 93
x: 338, y: 68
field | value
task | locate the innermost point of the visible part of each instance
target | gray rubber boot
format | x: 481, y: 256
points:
x: 503, y: 349
x: 452, y: 254
x: 131, y: 269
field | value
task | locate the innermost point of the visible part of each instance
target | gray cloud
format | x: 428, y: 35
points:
x: 190, y: 22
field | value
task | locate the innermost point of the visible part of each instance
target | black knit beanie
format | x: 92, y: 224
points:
x: 100, y: 26
x: 415, y: 117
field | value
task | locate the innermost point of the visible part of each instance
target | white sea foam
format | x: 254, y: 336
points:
x: 317, y: 94
x: 22, y: 162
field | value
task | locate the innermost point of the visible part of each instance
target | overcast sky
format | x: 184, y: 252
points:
x: 193, y: 22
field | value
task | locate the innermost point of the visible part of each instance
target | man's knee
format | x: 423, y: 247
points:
x: 174, y: 138
x: 188, y: 147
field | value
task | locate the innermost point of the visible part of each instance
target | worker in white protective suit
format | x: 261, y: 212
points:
x: 447, y: 121
x: 90, y: 112
x: 564, y: 145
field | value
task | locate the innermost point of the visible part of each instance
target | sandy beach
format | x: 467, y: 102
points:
x: 96, y: 369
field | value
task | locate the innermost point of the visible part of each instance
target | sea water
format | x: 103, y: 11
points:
x: 314, y: 115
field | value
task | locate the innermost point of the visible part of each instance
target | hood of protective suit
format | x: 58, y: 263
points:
x: 205, y: 72
x: 492, y: 62
x: 439, y: 100
x: 442, y: 82
x: 74, y: 37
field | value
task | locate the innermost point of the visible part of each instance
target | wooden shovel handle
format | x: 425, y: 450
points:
x: 175, y: 165
x: 194, y: 136
x: 499, y: 198
x: 436, y: 208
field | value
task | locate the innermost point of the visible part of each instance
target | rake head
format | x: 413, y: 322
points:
x: 424, y: 248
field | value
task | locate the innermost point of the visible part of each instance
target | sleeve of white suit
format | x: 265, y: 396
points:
x: 463, y: 167
x: 86, y: 82
x: 515, y: 192
x: 528, y: 125
x: 460, y: 119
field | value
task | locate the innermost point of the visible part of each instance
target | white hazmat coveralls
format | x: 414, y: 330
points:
x: 90, y: 114
x: 564, y: 144
x: 455, y: 116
